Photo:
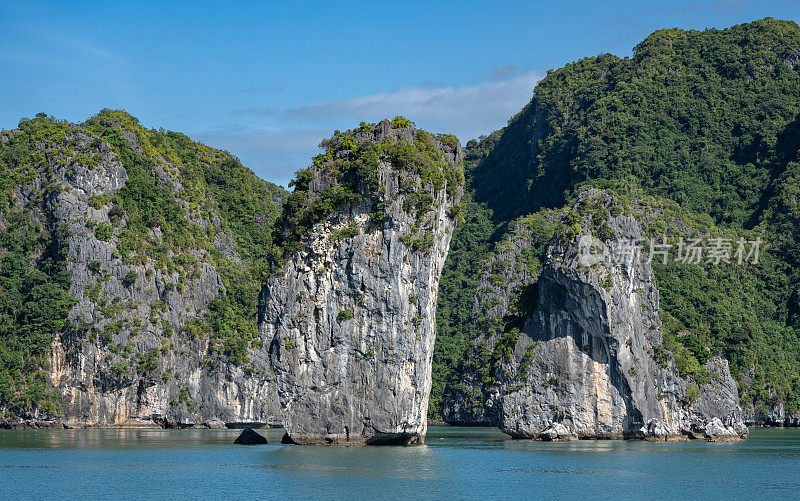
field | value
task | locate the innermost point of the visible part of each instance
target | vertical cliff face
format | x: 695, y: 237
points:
x: 143, y: 253
x: 350, y: 318
x: 575, y: 346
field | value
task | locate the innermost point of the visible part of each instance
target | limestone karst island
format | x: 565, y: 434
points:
x: 523, y: 251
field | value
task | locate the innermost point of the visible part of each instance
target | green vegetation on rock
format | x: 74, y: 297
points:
x: 34, y: 282
x: 182, y: 204
x: 213, y: 183
x: 348, y: 173
x: 700, y: 130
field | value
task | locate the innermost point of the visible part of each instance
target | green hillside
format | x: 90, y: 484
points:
x: 178, y: 197
x: 707, y: 119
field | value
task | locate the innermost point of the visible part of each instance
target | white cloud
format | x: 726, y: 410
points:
x: 272, y: 155
x: 466, y: 111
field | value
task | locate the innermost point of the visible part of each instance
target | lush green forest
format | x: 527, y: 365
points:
x: 34, y: 283
x: 708, y: 119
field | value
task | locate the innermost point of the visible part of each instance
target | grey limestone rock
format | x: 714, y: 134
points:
x: 350, y: 321
x: 95, y: 367
x: 585, y: 359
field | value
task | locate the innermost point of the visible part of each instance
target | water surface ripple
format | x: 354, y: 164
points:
x: 456, y: 463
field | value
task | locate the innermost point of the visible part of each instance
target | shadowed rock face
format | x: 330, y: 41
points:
x: 775, y: 415
x: 350, y: 321
x: 583, y: 364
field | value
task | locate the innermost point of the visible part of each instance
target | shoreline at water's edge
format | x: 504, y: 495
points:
x: 440, y: 422
x: 51, y: 425
x: 128, y: 425
x: 150, y: 425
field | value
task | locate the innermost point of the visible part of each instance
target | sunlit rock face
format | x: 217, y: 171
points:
x: 586, y: 359
x: 350, y: 319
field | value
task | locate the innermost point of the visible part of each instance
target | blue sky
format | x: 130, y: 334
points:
x: 268, y: 80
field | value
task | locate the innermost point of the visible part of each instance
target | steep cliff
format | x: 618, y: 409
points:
x: 709, y: 119
x: 158, y: 241
x: 572, y: 343
x: 350, y: 317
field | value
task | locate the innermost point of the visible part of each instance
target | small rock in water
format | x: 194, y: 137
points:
x: 250, y: 437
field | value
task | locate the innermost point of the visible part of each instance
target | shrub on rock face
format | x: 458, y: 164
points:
x: 103, y: 232
x: 130, y: 279
x: 347, y: 173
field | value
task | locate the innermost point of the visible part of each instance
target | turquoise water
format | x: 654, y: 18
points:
x: 457, y: 463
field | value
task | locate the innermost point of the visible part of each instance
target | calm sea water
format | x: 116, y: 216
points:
x: 457, y: 463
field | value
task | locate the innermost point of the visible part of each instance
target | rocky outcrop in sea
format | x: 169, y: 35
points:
x: 350, y: 318
x: 572, y: 345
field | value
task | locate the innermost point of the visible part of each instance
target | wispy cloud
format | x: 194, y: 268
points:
x: 57, y: 49
x: 466, y: 111
x: 273, y: 155
x: 269, y: 111
x: 80, y: 47
x: 506, y: 71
